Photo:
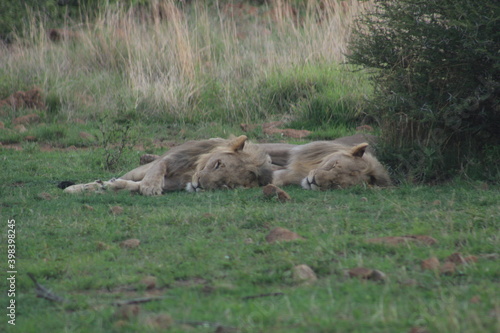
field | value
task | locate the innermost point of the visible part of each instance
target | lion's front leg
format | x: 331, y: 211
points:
x: 152, y: 183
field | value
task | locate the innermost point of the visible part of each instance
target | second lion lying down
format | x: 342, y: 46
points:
x: 324, y: 165
x: 195, y: 165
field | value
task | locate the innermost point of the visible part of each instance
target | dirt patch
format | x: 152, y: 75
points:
x: 31, y: 99
x: 282, y: 235
x: 26, y: 120
x: 273, y: 191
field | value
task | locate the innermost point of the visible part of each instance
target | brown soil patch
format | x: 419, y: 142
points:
x: 282, y: 234
x: 271, y: 191
x: 430, y: 264
x: 130, y: 243
x: 26, y: 120
x: 31, y: 99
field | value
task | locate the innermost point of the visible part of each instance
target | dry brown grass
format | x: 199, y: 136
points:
x: 166, y: 56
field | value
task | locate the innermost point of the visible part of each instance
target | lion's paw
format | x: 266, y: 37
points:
x: 151, y: 190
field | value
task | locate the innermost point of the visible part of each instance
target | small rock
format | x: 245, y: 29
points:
x: 116, y: 210
x: 448, y: 268
x: 271, y: 190
x: 360, y: 272
x: 127, y: 312
x: 149, y: 282
x: 430, y: 264
x: 130, y: 243
x: 248, y: 241
x: 378, y: 275
x: 281, y: 234
x: 303, y: 274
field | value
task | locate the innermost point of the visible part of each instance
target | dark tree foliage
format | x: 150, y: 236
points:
x: 436, y: 70
x: 15, y: 13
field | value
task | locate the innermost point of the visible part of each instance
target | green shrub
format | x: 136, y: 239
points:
x: 437, y: 81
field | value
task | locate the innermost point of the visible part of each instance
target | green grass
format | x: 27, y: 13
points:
x: 197, y: 247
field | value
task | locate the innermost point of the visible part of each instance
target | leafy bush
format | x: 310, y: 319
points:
x: 116, y: 137
x: 437, y: 81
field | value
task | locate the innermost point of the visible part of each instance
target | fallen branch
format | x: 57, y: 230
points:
x: 137, y: 301
x: 262, y: 295
x: 43, y: 292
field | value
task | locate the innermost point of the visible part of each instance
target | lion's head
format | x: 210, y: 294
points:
x: 346, y: 168
x: 238, y: 164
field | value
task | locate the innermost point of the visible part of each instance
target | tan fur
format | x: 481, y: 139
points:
x: 326, y: 165
x: 192, y: 166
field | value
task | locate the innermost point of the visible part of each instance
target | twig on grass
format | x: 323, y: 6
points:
x: 137, y: 301
x: 43, y: 292
x: 262, y: 295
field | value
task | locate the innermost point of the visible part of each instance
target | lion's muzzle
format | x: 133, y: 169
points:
x: 194, y: 187
x: 309, y: 183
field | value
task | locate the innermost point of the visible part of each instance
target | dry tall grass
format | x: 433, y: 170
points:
x: 162, y: 60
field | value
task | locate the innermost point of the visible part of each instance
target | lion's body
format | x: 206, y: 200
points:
x: 246, y: 166
x: 330, y: 164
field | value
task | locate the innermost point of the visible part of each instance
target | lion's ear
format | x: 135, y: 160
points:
x: 359, y: 150
x: 238, y: 143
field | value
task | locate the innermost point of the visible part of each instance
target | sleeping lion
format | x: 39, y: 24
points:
x: 324, y: 165
x: 194, y: 166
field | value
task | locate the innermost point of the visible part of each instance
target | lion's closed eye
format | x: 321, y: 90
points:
x: 332, y: 165
x: 218, y: 164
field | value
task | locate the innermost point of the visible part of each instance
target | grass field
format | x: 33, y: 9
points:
x: 206, y: 254
x: 203, y: 263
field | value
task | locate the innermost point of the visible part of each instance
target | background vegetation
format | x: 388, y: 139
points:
x: 436, y: 70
